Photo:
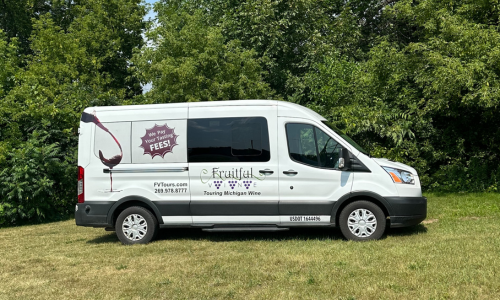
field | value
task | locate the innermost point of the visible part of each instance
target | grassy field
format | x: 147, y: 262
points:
x: 455, y: 254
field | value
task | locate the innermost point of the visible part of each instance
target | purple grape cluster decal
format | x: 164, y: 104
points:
x: 232, y: 184
x: 217, y: 183
x: 247, y: 184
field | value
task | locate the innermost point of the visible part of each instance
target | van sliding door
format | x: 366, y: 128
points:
x: 233, y: 165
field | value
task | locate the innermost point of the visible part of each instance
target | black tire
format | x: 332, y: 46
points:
x: 366, y: 231
x: 142, y: 217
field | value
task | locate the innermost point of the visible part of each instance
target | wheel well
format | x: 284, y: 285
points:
x: 357, y: 198
x: 128, y: 204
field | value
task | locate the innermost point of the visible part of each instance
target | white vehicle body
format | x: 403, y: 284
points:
x: 231, y: 164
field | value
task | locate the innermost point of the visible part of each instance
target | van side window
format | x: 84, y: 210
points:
x: 328, y: 150
x: 309, y: 145
x: 302, y: 144
x: 228, y: 140
x: 246, y: 139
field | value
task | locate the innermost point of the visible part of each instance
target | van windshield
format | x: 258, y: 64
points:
x: 345, y: 137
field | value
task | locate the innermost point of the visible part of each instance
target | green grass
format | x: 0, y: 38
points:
x: 454, y: 255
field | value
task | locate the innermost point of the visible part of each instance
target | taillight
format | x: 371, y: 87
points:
x: 81, y: 197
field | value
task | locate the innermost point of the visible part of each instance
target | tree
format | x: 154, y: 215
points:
x: 16, y: 17
x: 188, y: 60
x: 9, y: 65
x: 71, y: 64
x: 291, y: 36
x: 430, y: 99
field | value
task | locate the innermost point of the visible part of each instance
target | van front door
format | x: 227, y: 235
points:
x: 309, y: 179
x: 233, y: 166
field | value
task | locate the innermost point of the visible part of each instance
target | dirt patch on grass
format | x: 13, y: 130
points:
x: 429, y: 221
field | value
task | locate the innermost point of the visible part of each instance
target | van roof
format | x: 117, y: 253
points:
x: 282, y: 106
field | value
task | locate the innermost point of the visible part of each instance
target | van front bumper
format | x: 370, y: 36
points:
x: 407, y: 211
x: 93, y: 214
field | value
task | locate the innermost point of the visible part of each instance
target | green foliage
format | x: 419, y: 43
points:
x: 35, y: 181
x: 78, y: 56
x: 9, y: 62
x: 190, y: 61
x: 287, y: 36
x: 430, y: 100
x: 16, y: 17
x: 290, y: 34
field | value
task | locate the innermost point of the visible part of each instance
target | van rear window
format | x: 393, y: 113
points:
x: 228, y: 140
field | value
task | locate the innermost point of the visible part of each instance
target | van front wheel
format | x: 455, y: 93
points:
x: 362, y: 221
x: 136, y: 225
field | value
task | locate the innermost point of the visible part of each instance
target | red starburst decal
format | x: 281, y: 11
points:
x: 158, y: 140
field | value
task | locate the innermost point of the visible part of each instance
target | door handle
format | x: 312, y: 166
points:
x: 266, y: 172
x: 290, y: 172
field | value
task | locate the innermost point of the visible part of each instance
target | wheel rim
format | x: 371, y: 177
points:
x: 362, y: 222
x: 134, y: 227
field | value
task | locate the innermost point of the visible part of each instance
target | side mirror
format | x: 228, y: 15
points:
x: 344, y: 160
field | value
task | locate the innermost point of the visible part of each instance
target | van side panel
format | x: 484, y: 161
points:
x: 141, y: 155
x: 377, y: 181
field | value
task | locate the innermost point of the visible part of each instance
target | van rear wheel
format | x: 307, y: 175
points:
x: 136, y: 225
x: 362, y: 221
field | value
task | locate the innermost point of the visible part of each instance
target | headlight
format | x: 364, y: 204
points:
x: 400, y: 176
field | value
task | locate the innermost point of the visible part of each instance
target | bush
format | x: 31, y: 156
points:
x: 36, y: 182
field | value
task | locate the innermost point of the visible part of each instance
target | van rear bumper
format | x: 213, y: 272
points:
x: 93, y: 213
x: 407, y: 211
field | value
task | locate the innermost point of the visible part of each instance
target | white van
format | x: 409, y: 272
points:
x: 249, y: 165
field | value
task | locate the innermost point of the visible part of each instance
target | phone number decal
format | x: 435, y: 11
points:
x: 171, y: 191
x: 170, y: 187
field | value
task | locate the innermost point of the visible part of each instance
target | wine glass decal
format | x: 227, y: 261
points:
x: 109, y: 162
